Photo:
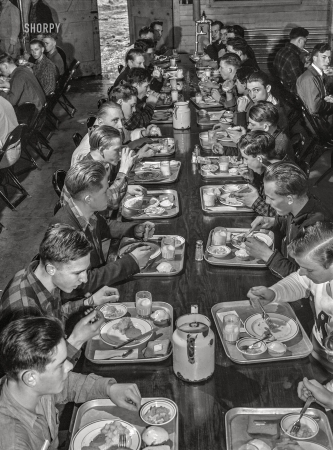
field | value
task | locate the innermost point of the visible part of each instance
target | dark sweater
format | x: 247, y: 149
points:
x: 24, y: 87
x: 113, y: 271
x: 285, y: 230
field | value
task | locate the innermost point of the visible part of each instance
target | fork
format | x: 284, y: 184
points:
x: 297, y: 425
x: 122, y: 441
x: 266, y: 317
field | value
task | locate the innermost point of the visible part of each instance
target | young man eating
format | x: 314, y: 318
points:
x: 38, y: 376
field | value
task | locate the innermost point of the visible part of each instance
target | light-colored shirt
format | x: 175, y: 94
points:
x: 8, y: 120
x: 28, y: 431
x: 317, y: 69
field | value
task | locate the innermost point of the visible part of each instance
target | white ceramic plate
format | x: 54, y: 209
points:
x: 265, y: 238
x: 311, y: 446
x: 121, y: 310
x: 168, y: 404
x: 86, y: 434
x: 154, y: 247
x: 113, y: 337
x: 287, y: 327
x: 225, y: 201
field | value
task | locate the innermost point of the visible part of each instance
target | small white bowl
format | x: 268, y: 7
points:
x: 264, y: 238
x: 288, y: 421
x: 213, y: 249
x: 261, y: 347
x: 121, y: 311
x: 276, y: 348
x: 165, y: 403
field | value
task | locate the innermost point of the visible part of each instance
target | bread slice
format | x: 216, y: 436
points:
x: 262, y: 426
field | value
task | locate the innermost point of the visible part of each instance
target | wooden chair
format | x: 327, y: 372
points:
x: 9, y: 155
x: 77, y: 138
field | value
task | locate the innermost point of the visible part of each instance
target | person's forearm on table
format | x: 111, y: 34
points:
x: 289, y: 289
x: 280, y: 265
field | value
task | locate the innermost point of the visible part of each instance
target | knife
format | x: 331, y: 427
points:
x: 138, y: 338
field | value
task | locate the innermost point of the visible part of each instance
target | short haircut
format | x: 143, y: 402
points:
x: 315, y: 241
x: 232, y: 59
x: 103, y: 137
x: 85, y: 176
x: 156, y: 22
x: 123, y: 91
x: 237, y: 29
x: 62, y: 243
x: 29, y: 343
x: 264, y: 112
x: 217, y: 22
x: 53, y: 36
x: 258, y: 142
x: 288, y: 178
x: 259, y: 76
x: 105, y: 107
x: 319, y: 48
x: 38, y: 42
x: 244, y: 72
x: 138, y: 75
x: 6, y: 58
x: 144, y: 31
x: 240, y: 44
x: 133, y: 53
x: 144, y: 44
x: 298, y: 32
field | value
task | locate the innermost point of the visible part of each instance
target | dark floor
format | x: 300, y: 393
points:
x: 25, y: 228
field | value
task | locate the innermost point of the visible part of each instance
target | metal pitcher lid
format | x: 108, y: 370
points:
x: 194, y: 327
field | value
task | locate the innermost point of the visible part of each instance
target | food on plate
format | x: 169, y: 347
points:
x: 255, y: 350
x: 125, y: 326
x: 160, y: 315
x: 209, y: 167
x: 232, y: 201
x: 154, y: 201
x: 260, y: 426
x: 218, y: 250
x: 261, y: 445
x: 166, y: 204
x: 111, y: 312
x: 157, y: 415
x: 237, y: 239
x: 276, y: 348
x: 156, y: 146
x: 134, y: 246
x: 135, y: 202
x: 154, y: 210
x: 147, y: 175
x: 155, y: 436
x: 233, y: 171
x: 288, y: 445
x: 108, y: 438
x: 242, y: 254
x: 158, y: 447
x: 164, y: 267
x: 304, y: 432
x: 169, y: 197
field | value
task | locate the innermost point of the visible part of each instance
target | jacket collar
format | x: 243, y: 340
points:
x: 303, y: 213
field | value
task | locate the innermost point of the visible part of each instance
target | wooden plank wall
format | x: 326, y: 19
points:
x: 307, y: 13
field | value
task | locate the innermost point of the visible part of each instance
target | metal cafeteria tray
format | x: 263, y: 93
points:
x: 236, y: 421
x: 231, y: 260
x: 219, y: 175
x: 298, y: 347
x: 150, y: 271
x: 219, y: 208
x: 107, y: 407
x: 204, y: 105
x: 203, y: 121
x: 97, y: 343
x: 171, y: 146
x: 168, y: 213
x: 175, y: 170
x: 168, y: 120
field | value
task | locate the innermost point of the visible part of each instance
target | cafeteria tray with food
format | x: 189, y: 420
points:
x: 151, y: 173
x: 164, y: 101
x: 206, y: 118
x: 209, y: 103
x: 155, y: 204
x: 156, y: 348
x: 94, y: 415
x: 213, y: 172
x: 219, y: 200
x: 262, y: 428
x: 162, y: 116
x: 157, y: 265
x: 233, y: 253
x: 163, y: 147
x: 290, y: 340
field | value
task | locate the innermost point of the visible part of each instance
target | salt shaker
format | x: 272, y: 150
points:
x: 199, y: 251
x: 194, y: 158
x: 197, y: 150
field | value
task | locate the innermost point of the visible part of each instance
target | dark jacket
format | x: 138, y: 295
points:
x: 212, y: 50
x: 285, y: 230
x: 113, y: 271
x: 43, y: 15
x: 24, y: 87
x: 311, y: 89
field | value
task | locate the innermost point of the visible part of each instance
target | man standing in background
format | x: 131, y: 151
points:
x: 10, y: 25
x: 39, y: 14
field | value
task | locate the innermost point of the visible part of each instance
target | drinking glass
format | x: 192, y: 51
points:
x: 231, y: 328
x: 219, y: 236
x: 174, y: 96
x: 143, y: 304
x: 165, y: 168
x: 168, y: 247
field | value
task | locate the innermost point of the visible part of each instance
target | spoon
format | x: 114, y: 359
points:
x: 128, y: 352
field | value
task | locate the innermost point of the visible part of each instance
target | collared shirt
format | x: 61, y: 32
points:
x: 84, y: 224
x: 26, y: 430
x: 46, y: 73
x: 317, y: 69
x: 289, y: 65
x: 25, y: 294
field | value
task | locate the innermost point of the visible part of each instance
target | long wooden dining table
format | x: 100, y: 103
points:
x: 202, y: 406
